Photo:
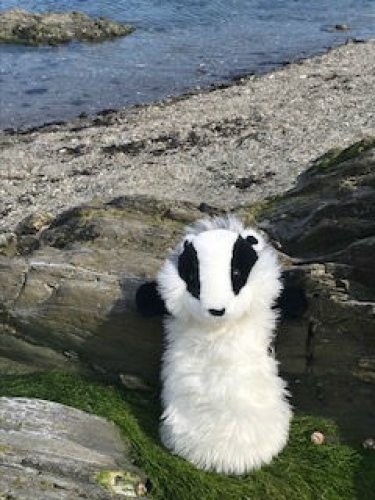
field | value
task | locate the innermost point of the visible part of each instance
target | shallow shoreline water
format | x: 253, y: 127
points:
x: 232, y: 80
x: 177, y: 47
x: 232, y: 146
x: 27, y: 112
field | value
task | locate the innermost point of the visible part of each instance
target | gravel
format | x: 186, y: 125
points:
x: 225, y: 147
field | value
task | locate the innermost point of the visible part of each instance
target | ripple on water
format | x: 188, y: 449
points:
x: 178, y: 45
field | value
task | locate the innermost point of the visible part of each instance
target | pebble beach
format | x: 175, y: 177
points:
x: 224, y: 146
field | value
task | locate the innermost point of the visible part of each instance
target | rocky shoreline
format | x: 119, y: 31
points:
x: 88, y: 212
x: 228, y: 147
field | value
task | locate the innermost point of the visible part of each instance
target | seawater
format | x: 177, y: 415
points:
x: 178, y: 46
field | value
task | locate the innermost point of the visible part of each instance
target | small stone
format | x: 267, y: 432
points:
x: 317, y: 437
x: 8, y: 244
x: 338, y: 27
x: 141, y: 490
x: 342, y: 27
x: 134, y: 383
x: 369, y: 444
x: 34, y: 223
x: 6, y: 238
x: 122, y: 483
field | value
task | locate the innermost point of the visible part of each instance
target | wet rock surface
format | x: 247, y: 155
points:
x: 53, y: 28
x: 49, y: 451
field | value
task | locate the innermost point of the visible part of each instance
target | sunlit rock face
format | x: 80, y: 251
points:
x: 50, y: 451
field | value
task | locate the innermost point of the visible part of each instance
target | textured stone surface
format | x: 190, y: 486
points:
x: 52, y: 28
x: 67, y: 298
x: 326, y: 224
x: 50, y: 451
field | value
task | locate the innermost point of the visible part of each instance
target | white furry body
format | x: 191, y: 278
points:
x: 225, y: 407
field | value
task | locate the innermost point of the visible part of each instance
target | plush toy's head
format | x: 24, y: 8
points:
x: 219, y: 272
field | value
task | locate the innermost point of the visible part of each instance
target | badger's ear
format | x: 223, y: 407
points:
x: 253, y: 238
x: 148, y: 300
x: 186, y: 242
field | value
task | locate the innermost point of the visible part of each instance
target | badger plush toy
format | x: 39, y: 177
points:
x: 225, y: 407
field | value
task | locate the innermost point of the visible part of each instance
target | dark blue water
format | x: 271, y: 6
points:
x: 178, y: 45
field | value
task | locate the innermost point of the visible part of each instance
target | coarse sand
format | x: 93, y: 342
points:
x: 225, y: 147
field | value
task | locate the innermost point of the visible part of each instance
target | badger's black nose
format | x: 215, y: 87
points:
x: 217, y: 312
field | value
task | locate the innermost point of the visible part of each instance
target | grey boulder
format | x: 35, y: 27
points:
x: 49, y: 451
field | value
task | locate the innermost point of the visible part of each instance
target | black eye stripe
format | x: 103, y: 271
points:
x: 243, y: 259
x: 188, y: 269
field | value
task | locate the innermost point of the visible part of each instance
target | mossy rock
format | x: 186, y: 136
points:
x: 331, y: 207
x: 122, y: 482
x: 53, y: 28
x: 338, y: 155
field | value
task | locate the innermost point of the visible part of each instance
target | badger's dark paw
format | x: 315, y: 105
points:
x: 292, y: 302
x: 148, y: 300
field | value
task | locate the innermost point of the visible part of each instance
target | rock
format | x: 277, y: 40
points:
x: 317, y: 437
x: 67, y: 299
x: 50, y: 451
x: 34, y: 223
x: 338, y: 27
x: 53, y: 28
x: 331, y: 208
x: 366, y: 369
x: 326, y: 224
x: 8, y: 244
x: 369, y: 444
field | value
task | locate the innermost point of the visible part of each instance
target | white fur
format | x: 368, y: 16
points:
x: 225, y: 407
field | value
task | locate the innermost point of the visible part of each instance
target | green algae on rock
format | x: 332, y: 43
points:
x: 339, y: 155
x: 331, y: 207
x: 53, y: 28
x: 121, y: 482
